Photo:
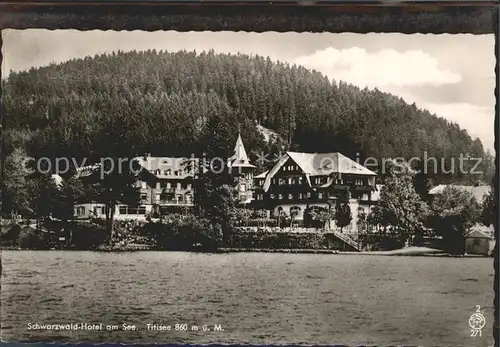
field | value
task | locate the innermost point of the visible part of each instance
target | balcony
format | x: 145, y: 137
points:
x: 364, y: 189
x: 175, y: 203
x: 342, y: 187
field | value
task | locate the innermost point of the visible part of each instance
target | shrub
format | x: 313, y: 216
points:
x: 30, y: 238
x: 12, y: 233
x: 85, y: 235
x: 184, y: 232
x: 276, y: 240
x: 379, y: 242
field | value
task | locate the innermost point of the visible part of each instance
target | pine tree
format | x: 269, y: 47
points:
x: 343, y: 216
x: 214, y: 193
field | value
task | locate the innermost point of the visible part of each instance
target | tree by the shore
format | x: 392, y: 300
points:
x: 343, y: 216
x: 489, y: 211
x: 15, y: 187
x: 454, y: 212
x: 214, y: 192
x: 400, y: 207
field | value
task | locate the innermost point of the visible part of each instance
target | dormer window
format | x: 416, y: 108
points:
x: 318, y: 180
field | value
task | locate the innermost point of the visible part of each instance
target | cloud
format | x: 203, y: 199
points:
x: 405, y: 74
x: 386, y: 67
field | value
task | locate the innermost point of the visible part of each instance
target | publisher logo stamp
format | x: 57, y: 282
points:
x: 477, y: 322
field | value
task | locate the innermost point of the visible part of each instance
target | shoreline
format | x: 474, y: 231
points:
x: 408, y: 252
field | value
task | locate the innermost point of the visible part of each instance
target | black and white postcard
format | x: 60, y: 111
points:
x: 247, y: 188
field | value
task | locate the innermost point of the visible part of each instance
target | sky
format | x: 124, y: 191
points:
x: 451, y: 75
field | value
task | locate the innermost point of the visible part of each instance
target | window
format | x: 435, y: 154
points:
x: 188, y: 198
x: 295, y: 211
x: 280, y: 196
x: 301, y: 196
x: 169, y: 185
x: 142, y: 210
x: 157, y: 197
x: 284, y: 168
x: 290, y: 196
x: 180, y: 198
x: 158, y: 186
x: 290, y: 181
x: 144, y: 185
x: 272, y: 196
x: 320, y: 195
x: 300, y: 180
x: 123, y: 209
x: 358, y: 182
x: 243, y: 187
x: 477, y: 242
x: 144, y: 196
x: 179, y: 186
x: 281, y: 181
x: 189, y: 186
x: 309, y: 194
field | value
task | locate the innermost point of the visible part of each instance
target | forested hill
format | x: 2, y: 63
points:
x: 160, y: 101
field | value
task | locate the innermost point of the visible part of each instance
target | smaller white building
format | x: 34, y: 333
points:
x: 122, y: 212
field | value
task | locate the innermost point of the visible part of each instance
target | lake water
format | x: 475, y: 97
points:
x: 256, y: 298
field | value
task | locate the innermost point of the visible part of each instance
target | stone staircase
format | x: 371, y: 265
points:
x: 346, y: 239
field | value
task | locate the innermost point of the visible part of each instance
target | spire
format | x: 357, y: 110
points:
x: 240, y: 157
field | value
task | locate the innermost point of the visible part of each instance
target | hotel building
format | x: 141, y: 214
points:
x: 302, y: 182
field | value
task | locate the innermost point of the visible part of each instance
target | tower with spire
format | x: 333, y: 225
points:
x: 243, y: 170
